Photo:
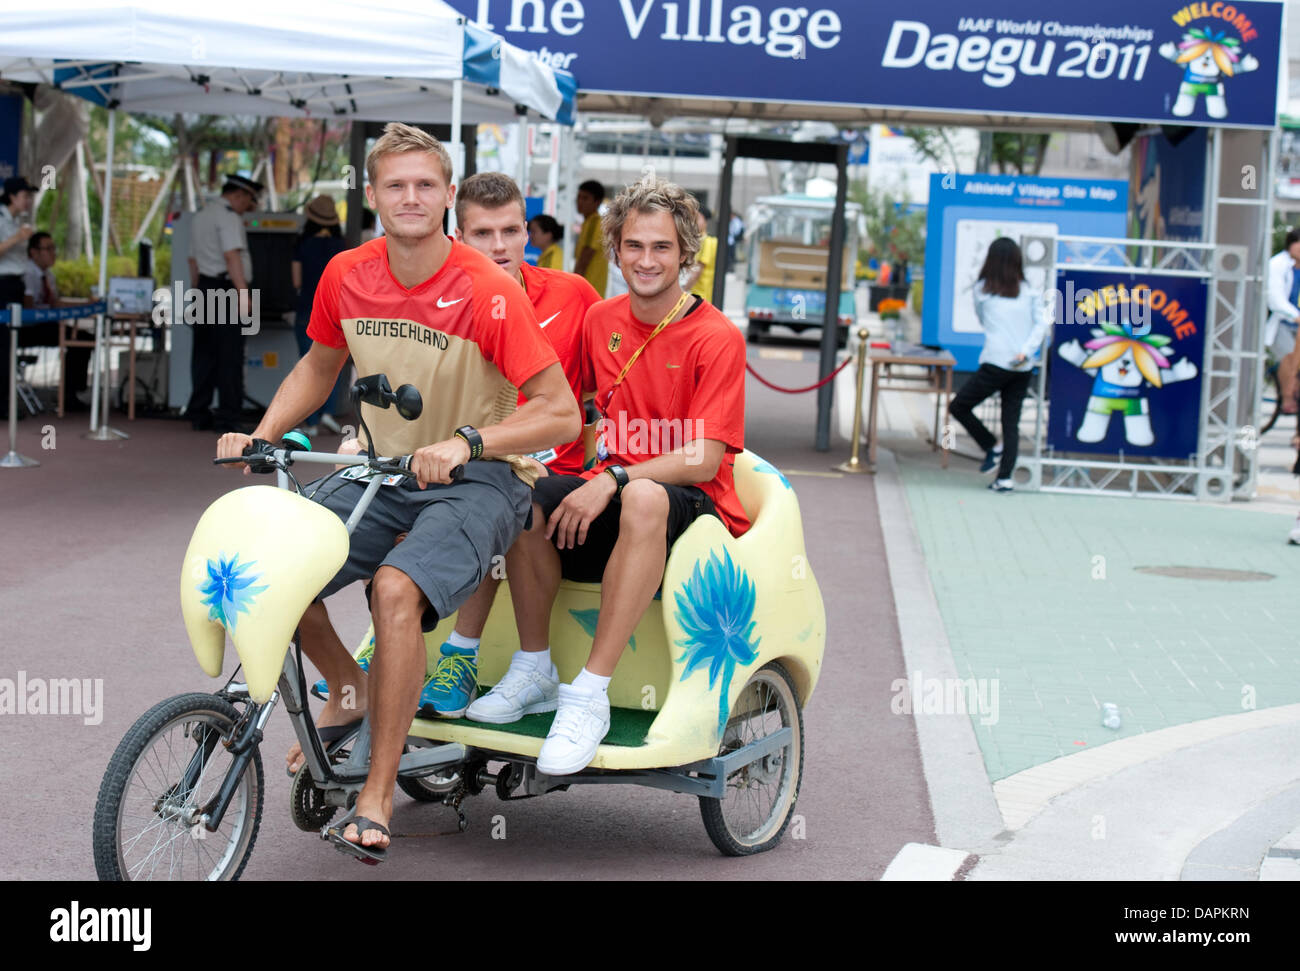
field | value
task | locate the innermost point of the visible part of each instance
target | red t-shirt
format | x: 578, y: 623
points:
x: 560, y: 301
x: 688, y: 384
x: 466, y: 338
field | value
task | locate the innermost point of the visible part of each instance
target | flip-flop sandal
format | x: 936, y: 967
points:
x: 371, y: 855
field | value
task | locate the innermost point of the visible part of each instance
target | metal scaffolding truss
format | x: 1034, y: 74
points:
x: 1224, y: 461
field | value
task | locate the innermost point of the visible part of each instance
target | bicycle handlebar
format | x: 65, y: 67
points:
x: 264, y: 454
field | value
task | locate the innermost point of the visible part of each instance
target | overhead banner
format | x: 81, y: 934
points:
x: 1126, y: 364
x: 1199, y: 63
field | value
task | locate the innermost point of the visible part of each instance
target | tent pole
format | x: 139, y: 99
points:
x: 83, y: 200
x: 99, y: 430
x: 457, y: 149
x: 566, y: 188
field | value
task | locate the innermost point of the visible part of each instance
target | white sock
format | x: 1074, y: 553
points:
x: 533, y: 660
x: 461, y: 641
x: 590, y: 683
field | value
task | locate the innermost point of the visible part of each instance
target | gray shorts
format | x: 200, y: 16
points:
x: 454, y: 531
x: 1284, y: 341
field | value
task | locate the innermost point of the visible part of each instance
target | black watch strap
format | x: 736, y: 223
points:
x: 472, y: 438
x: 620, y: 476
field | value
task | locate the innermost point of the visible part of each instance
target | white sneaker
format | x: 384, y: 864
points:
x: 525, y: 690
x: 1293, y: 537
x: 329, y: 422
x: 581, y: 723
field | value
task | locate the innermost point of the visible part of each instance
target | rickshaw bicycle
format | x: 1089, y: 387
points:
x: 183, y: 795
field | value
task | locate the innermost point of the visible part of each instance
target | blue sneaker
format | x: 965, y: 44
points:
x: 322, y: 691
x: 992, y: 458
x: 450, y: 689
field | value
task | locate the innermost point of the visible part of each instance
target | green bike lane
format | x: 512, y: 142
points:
x: 1043, y: 603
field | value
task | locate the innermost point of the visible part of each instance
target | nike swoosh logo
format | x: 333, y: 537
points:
x: 673, y: 365
x: 449, y: 303
x: 549, y: 319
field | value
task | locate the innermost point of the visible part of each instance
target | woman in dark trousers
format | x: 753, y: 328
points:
x: 1014, y: 321
x: 320, y: 242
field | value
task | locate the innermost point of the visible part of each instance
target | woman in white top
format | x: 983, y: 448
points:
x: 1014, y: 321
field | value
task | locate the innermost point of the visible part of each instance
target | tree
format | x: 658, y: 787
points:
x: 895, y: 232
x: 936, y: 144
x: 1017, y: 153
x: 1021, y: 153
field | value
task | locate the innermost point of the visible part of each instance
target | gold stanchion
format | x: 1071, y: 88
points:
x: 853, y: 465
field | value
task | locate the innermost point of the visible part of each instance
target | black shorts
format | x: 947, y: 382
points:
x: 586, y: 563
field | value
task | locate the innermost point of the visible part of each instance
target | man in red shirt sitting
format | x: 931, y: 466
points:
x: 668, y: 371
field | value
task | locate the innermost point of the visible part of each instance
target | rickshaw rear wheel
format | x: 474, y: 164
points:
x: 429, y: 788
x: 760, y: 797
x: 144, y: 814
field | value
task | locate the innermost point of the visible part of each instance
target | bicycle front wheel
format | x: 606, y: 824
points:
x: 169, y: 765
x: 1270, y: 405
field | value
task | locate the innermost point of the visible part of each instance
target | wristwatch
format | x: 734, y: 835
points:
x: 469, y: 434
x: 619, y: 475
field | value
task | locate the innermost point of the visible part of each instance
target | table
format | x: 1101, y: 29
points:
x: 938, y: 365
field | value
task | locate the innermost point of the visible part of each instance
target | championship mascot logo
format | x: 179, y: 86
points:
x: 1126, y: 368
x: 1209, y: 55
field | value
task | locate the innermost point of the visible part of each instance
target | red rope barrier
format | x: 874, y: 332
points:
x: 812, y: 387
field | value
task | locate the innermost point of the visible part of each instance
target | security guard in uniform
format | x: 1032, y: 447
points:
x: 219, y: 260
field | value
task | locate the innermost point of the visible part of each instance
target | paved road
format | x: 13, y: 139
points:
x: 93, y: 541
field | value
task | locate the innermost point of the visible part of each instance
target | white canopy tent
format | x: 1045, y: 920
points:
x: 355, y: 59
x: 293, y: 58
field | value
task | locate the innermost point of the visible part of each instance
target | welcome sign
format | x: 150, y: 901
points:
x: 1191, y: 63
x: 1126, y: 363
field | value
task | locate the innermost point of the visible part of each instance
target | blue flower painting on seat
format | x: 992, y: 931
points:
x: 715, y: 609
x: 587, y: 621
x: 770, y: 469
x: 229, y: 589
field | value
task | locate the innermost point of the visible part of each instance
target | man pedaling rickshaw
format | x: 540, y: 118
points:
x: 437, y: 314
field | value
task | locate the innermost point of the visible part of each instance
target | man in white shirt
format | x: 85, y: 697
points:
x: 219, y: 260
x: 41, y: 292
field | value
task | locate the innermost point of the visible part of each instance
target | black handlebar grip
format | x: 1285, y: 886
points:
x: 457, y: 473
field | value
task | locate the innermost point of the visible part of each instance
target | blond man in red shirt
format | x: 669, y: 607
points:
x: 436, y: 313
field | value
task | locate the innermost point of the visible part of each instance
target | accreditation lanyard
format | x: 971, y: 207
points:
x: 602, y: 449
x: 637, y: 353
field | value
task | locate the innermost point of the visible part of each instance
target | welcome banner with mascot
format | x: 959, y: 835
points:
x: 1126, y: 364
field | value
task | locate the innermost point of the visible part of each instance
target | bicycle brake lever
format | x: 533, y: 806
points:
x: 259, y: 455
